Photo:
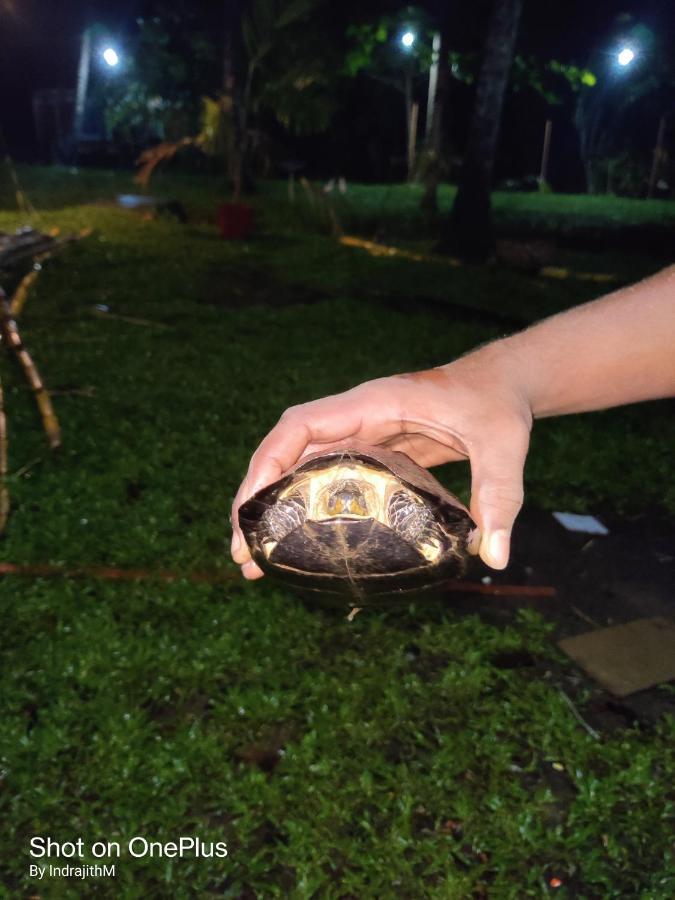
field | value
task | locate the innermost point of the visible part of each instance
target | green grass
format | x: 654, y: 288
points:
x: 412, y: 764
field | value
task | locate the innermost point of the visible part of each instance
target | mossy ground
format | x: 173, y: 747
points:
x: 387, y: 757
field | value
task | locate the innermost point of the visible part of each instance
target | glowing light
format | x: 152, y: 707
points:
x: 408, y: 39
x: 110, y: 56
x: 625, y: 56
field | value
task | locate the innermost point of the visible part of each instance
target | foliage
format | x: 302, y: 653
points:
x: 292, y: 62
x: 387, y: 757
x: 375, y: 47
x: 300, y: 95
x: 627, y: 174
x: 157, y: 97
x: 548, y: 79
x: 375, y: 50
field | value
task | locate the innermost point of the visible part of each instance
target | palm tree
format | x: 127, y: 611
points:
x: 470, y: 225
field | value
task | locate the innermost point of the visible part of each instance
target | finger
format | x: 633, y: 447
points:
x: 331, y: 419
x: 497, y: 493
x: 239, y: 548
x: 358, y: 413
x: 265, y: 467
x: 251, y: 571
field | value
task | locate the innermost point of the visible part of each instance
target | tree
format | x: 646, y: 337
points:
x: 470, y: 224
x: 612, y: 119
x: 287, y: 71
x: 433, y: 149
x: 170, y: 64
x: 276, y: 63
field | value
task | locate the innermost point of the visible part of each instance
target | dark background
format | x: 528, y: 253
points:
x: 40, y: 42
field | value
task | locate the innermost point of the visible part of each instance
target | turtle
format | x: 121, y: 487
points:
x: 358, y: 520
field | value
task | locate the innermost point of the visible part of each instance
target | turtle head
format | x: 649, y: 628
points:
x: 346, y: 498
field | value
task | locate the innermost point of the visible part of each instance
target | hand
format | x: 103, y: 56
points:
x: 472, y: 409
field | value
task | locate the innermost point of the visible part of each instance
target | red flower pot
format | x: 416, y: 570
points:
x: 235, y: 220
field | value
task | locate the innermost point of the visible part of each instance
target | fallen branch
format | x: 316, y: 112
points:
x: 111, y: 573
x: 131, y: 320
x: 153, y: 156
x: 28, y: 242
x: 577, y: 715
x: 26, y: 468
x: 501, y: 590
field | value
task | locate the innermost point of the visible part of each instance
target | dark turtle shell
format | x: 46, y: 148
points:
x: 420, y: 539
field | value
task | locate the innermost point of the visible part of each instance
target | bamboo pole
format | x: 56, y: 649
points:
x: 41, y: 252
x: 12, y: 339
x: 20, y: 295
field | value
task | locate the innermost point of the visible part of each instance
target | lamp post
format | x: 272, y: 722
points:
x: 433, y: 82
x: 108, y: 55
x: 408, y: 39
x: 82, y: 83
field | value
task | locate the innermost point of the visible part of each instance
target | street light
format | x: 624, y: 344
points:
x: 96, y: 44
x: 110, y: 57
x: 625, y: 56
x: 408, y: 39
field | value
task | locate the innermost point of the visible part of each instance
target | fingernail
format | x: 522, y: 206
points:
x: 498, y: 548
x: 473, y: 541
x: 249, y: 570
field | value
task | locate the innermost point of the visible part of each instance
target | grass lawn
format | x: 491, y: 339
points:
x: 387, y: 757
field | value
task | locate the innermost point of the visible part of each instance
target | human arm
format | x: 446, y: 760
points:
x: 615, y: 350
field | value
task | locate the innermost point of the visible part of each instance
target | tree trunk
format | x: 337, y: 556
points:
x: 434, y: 145
x: 232, y: 92
x: 409, y: 139
x: 471, y: 233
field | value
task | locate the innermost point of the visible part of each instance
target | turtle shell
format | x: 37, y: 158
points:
x: 358, y: 520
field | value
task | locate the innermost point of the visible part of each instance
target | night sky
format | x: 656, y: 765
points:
x: 39, y: 40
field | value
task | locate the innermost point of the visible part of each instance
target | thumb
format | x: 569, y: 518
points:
x: 497, y: 496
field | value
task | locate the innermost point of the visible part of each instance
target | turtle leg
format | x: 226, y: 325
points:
x: 408, y: 517
x: 282, y: 518
x: 415, y: 523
